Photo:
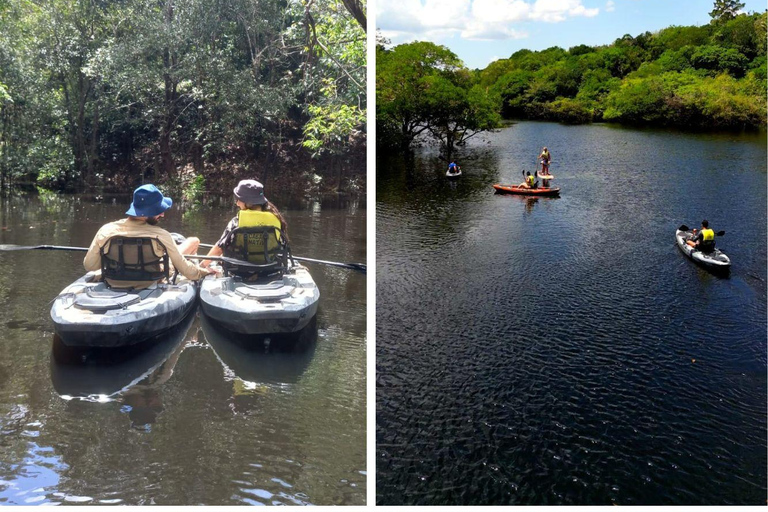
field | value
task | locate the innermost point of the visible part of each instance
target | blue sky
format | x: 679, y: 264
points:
x: 481, y: 31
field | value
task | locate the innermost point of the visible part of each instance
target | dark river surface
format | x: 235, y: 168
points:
x: 564, y: 351
x: 194, y: 418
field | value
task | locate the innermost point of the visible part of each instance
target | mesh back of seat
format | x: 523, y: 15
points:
x: 134, y: 259
x: 260, y: 245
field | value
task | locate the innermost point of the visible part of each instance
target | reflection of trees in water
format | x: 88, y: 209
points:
x: 208, y: 442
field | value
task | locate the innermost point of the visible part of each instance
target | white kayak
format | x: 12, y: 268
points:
x: 450, y: 174
x: 715, y: 260
x: 89, y: 314
x: 272, y: 304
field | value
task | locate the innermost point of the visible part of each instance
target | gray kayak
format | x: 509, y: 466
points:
x: 270, y: 305
x: 89, y: 314
x: 715, y: 260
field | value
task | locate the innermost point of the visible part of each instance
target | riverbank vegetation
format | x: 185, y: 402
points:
x: 191, y: 94
x: 712, y: 76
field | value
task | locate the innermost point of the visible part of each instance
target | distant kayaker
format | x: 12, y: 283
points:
x: 704, y: 240
x: 148, y: 207
x: 530, y: 181
x: 453, y: 167
x: 249, y: 197
x: 545, y: 157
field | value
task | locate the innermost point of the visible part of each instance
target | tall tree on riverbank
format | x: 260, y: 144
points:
x: 423, y: 87
x: 725, y: 10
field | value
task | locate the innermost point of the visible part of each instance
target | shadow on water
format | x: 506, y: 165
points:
x: 268, y: 359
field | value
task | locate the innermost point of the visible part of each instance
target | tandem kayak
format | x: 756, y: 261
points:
x: 715, y: 261
x: 271, y: 304
x: 449, y: 174
x: 89, y: 314
x: 516, y: 189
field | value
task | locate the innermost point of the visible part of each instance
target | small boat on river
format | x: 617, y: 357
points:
x: 517, y: 189
x: 715, y: 261
x: 88, y: 313
x: 279, y: 303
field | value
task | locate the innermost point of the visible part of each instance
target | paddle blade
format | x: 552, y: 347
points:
x: 11, y: 247
x: 683, y: 227
x: 720, y: 233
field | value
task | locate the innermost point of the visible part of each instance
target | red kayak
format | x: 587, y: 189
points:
x: 516, y: 189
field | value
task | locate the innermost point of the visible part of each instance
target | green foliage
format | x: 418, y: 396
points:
x: 330, y: 127
x: 725, y: 10
x: 716, y: 58
x: 195, y: 189
x: 167, y: 84
x: 713, y: 76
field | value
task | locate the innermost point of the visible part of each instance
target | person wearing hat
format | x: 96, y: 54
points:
x: 249, y: 196
x: 148, y: 207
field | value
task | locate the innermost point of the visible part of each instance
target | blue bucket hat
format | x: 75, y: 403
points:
x: 148, y: 202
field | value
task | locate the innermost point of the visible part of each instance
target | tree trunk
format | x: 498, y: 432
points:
x: 169, y: 60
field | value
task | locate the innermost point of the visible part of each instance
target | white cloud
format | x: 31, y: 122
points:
x: 610, y: 6
x: 471, y: 19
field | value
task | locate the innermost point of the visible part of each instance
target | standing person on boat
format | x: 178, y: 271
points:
x: 148, y: 207
x: 453, y: 167
x: 545, y: 157
x: 249, y: 197
x: 704, y: 240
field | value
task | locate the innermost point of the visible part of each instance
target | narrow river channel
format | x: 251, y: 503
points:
x: 563, y: 350
x: 195, y: 418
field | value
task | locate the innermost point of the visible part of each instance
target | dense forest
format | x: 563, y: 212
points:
x: 711, y: 76
x: 191, y: 94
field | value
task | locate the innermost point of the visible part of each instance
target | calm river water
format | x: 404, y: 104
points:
x: 564, y: 351
x: 194, y: 418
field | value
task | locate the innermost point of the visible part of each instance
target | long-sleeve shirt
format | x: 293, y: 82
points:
x: 138, y: 228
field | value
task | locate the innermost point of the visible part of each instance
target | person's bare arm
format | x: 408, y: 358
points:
x: 215, y: 251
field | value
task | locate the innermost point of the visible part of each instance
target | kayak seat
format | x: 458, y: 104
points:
x: 105, y: 300
x: 264, y: 247
x: 142, y: 259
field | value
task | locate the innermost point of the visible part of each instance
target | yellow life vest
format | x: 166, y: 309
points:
x: 708, y: 234
x: 530, y: 179
x: 255, y: 241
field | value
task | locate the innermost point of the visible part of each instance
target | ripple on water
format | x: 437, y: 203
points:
x: 564, y: 351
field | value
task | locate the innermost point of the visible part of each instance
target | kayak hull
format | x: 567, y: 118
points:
x: 515, y: 189
x: 89, y: 314
x: 449, y: 174
x: 270, y: 305
x: 716, y: 261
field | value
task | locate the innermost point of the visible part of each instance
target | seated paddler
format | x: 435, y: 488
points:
x: 704, y: 240
x: 135, y: 252
x: 257, y: 221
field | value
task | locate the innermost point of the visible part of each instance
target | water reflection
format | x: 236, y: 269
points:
x: 262, y: 359
x: 132, y: 375
x: 148, y: 427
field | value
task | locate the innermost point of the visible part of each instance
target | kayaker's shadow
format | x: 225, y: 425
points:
x: 263, y: 358
x: 131, y: 375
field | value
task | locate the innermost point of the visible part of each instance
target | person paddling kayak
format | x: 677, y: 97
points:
x: 704, y: 240
x: 254, y: 210
x: 453, y: 167
x: 115, y: 248
x: 530, y: 181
